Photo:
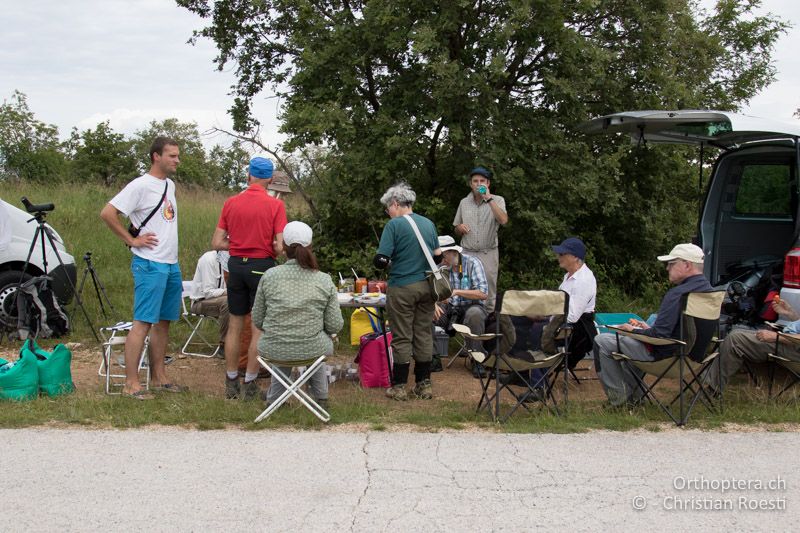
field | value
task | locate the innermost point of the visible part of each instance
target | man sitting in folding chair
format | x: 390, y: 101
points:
x: 209, y: 294
x: 685, y: 268
x: 754, y: 347
x: 297, y: 310
x: 467, y: 304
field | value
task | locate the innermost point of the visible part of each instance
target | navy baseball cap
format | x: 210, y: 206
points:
x: 486, y: 173
x: 573, y: 246
x: 261, y: 167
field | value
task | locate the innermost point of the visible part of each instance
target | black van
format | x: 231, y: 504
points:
x: 748, y: 228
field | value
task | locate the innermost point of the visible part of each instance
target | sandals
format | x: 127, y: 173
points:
x: 141, y: 394
x: 169, y: 387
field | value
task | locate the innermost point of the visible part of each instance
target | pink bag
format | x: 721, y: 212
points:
x: 372, y: 361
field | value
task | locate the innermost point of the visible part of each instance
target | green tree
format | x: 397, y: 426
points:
x: 29, y: 148
x: 101, y: 155
x: 424, y: 90
x: 228, y: 166
x: 194, y: 168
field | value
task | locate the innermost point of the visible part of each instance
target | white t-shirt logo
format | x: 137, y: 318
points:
x: 168, y: 211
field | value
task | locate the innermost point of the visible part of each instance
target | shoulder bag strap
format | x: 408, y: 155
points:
x: 153, y: 212
x: 434, y: 269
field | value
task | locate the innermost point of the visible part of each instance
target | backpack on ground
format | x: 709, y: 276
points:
x: 38, y: 312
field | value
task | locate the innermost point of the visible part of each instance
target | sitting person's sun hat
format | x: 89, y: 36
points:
x: 446, y: 242
x: 297, y: 232
x: 687, y: 252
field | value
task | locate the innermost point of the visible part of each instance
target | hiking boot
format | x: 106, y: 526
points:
x: 533, y: 396
x: 232, y: 389
x: 423, y: 390
x: 397, y: 392
x: 251, y: 391
x: 323, y: 403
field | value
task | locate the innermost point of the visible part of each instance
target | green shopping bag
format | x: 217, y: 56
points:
x: 55, y: 373
x: 19, y: 380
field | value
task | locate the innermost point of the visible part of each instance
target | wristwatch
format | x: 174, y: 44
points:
x: 489, y: 200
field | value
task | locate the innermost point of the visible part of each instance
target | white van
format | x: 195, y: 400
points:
x: 748, y: 227
x: 12, y: 260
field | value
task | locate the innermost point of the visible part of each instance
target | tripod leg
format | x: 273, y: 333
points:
x: 99, y: 288
x: 77, y: 296
x: 83, y: 282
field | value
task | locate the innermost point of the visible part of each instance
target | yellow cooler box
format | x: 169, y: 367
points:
x: 362, y: 323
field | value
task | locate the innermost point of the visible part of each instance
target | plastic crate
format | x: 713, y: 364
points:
x: 441, y: 342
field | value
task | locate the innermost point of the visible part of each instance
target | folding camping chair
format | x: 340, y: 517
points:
x: 698, y: 326
x: 518, y: 303
x: 294, y: 388
x: 114, y: 348
x: 195, y: 321
x: 792, y: 366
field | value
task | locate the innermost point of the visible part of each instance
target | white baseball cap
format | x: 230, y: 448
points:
x: 687, y: 252
x: 297, y: 232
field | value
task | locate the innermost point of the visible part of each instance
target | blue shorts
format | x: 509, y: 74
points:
x: 157, y: 289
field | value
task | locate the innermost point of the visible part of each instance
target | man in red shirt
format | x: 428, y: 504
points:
x: 251, y: 229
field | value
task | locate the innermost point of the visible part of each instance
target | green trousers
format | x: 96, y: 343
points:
x: 410, y: 315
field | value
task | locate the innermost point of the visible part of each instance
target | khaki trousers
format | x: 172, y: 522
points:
x: 410, y: 316
x: 491, y: 264
x: 739, y: 346
x: 216, y: 307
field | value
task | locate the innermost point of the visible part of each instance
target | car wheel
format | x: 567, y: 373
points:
x: 9, y: 280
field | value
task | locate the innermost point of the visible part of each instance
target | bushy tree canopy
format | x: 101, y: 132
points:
x: 425, y: 90
x: 29, y: 148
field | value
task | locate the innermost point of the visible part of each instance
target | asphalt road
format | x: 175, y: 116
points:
x: 179, y: 480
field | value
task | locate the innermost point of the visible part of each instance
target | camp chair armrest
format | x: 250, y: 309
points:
x: 790, y: 338
x: 478, y: 357
x: 617, y: 356
x: 655, y: 341
x: 466, y: 332
x: 710, y: 357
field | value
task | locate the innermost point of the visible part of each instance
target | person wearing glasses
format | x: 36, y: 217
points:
x: 408, y: 296
x: 685, y: 269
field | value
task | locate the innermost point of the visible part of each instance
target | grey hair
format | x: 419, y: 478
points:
x: 402, y: 193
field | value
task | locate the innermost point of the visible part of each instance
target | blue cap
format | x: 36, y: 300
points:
x: 261, y: 167
x: 573, y: 246
x: 486, y: 173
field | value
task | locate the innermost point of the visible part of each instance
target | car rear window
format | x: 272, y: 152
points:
x: 765, y: 190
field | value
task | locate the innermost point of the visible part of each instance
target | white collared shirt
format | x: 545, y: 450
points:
x: 208, y: 281
x: 582, y: 289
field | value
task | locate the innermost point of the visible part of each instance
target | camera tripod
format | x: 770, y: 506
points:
x: 99, y: 289
x: 39, y: 213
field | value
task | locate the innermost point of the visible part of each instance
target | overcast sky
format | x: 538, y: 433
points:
x: 81, y: 62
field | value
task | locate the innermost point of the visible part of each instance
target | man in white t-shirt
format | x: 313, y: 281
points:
x: 149, y: 202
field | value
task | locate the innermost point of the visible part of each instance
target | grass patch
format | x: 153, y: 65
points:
x: 204, y: 412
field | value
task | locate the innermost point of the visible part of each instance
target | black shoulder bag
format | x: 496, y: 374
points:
x: 133, y: 230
